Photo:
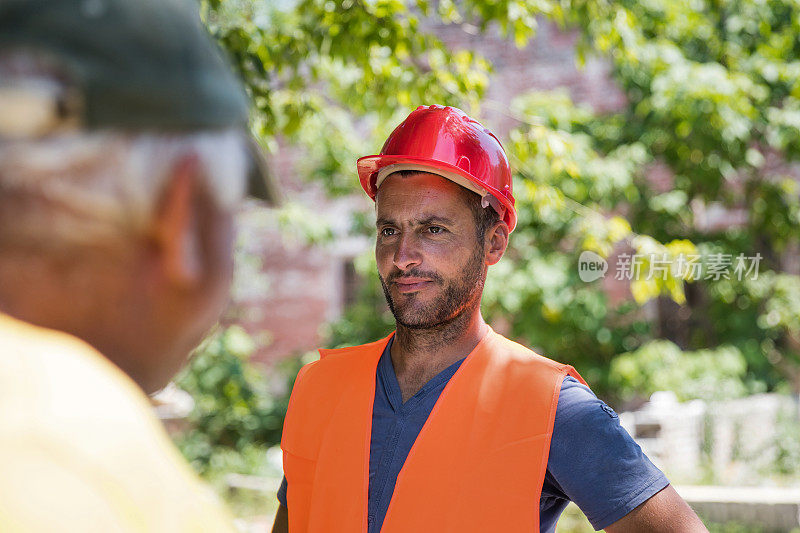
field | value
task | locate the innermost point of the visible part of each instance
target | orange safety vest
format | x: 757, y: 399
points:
x: 477, y: 465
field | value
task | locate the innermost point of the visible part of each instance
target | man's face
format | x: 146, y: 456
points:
x: 430, y: 262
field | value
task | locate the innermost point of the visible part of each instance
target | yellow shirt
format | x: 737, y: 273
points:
x: 80, y: 449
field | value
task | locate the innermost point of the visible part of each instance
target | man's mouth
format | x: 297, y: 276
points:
x: 408, y: 285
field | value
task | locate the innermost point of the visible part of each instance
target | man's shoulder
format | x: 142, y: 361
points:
x: 523, y: 353
x: 594, y: 462
x: 518, y: 354
x: 336, y: 369
x: 50, y: 375
x: 91, y: 432
x: 56, y: 388
x: 336, y: 361
x: 339, y: 354
x: 50, y: 484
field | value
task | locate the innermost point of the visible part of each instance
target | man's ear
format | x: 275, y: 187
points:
x: 176, y: 228
x: 496, y: 242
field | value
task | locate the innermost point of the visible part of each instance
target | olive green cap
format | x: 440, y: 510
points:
x: 132, y: 65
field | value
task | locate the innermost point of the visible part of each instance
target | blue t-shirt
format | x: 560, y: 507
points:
x: 593, y: 461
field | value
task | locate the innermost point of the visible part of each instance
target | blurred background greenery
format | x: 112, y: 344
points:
x: 712, y: 102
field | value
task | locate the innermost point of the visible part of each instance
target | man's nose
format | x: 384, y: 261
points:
x: 407, y: 254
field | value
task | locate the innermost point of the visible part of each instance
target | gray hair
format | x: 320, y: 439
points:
x: 61, y: 185
x: 86, y: 188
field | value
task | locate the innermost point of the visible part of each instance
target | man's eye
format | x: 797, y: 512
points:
x: 387, y: 232
x: 435, y: 229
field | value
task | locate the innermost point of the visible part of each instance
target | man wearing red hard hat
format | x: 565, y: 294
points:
x: 445, y: 425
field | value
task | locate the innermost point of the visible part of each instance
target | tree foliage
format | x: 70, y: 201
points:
x: 711, y: 87
x: 713, y: 97
x: 235, y: 409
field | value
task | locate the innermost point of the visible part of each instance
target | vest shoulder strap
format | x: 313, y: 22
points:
x: 318, y: 388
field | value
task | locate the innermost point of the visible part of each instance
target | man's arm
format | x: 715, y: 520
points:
x: 595, y: 463
x: 664, y: 512
x: 281, y: 524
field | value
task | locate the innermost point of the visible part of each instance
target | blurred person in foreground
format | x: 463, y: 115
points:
x: 123, y: 156
x: 445, y: 425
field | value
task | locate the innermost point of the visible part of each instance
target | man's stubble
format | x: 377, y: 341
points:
x: 458, y: 295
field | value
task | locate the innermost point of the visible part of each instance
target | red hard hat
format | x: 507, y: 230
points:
x: 447, y: 142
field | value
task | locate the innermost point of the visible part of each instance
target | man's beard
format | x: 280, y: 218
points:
x: 457, y: 295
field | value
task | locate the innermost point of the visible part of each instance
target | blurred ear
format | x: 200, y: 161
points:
x: 177, y: 229
x: 496, y: 242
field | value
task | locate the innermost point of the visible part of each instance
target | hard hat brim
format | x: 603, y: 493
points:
x: 369, y: 167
